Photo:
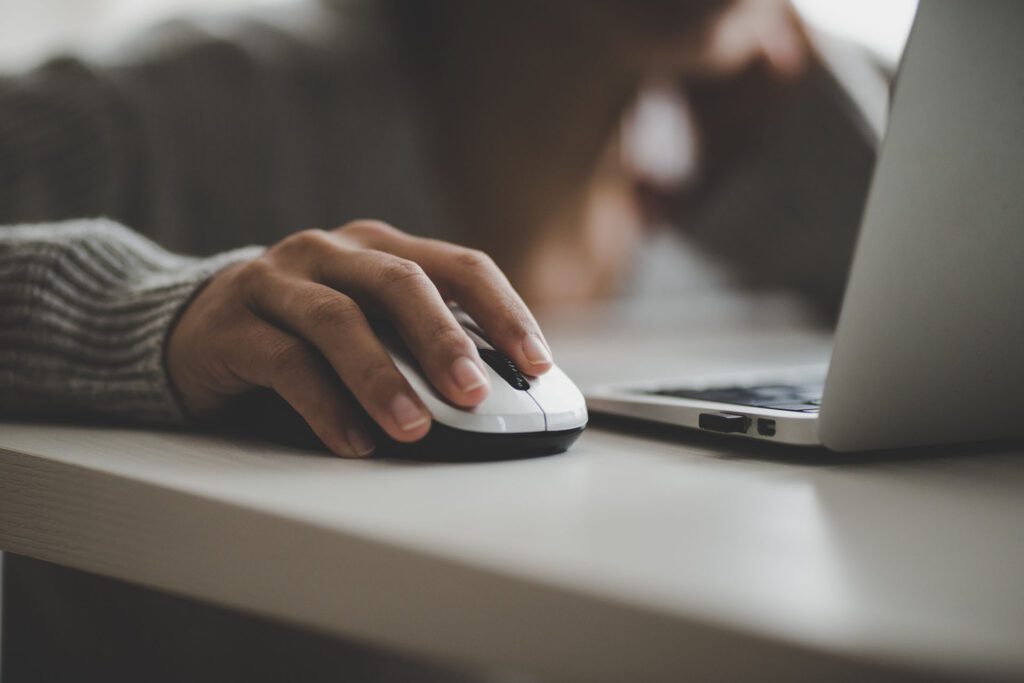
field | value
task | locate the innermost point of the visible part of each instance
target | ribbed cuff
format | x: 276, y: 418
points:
x: 85, y: 309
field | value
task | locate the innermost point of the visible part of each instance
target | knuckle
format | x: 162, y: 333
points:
x: 305, y: 241
x: 287, y: 357
x: 473, y: 259
x: 452, y: 339
x: 375, y: 373
x: 399, y: 271
x: 368, y: 229
x: 255, y: 274
x: 332, y: 311
x: 512, y: 320
x: 518, y: 324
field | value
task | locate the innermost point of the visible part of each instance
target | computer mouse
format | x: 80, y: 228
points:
x: 521, y: 417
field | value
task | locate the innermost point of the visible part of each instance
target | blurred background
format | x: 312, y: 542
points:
x: 658, y: 213
x: 30, y: 31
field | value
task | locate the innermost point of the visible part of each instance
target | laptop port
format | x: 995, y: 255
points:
x: 765, y: 427
x: 724, y: 423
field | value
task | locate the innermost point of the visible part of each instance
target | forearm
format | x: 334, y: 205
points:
x: 85, y: 309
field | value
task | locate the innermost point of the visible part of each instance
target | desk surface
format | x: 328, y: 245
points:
x: 640, y: 554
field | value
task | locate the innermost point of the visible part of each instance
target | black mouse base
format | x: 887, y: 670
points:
x: 265, y: 414
x: 447, y: 444
x: 442, y: 443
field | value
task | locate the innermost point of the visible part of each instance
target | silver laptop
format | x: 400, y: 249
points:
x: 930, y: 343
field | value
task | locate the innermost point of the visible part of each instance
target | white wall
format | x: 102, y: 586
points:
x: 32, y: 29
x: 880, y: 25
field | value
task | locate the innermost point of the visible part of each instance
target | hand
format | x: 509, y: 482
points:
x: 295, y: 320
x: 714, y: 92
x: 710, y: 39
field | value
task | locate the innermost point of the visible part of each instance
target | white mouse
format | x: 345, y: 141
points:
x: 521, y: 415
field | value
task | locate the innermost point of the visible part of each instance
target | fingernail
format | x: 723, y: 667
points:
x: 468, y: 375
x: 407, y: 414
x: 535, y: 351
x: 360, y: 442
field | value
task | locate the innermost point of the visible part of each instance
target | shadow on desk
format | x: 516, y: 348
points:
x: 61, y: 624
x: 736, y: 448
x: 274, y: 423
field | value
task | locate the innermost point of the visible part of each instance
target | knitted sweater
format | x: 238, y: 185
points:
x: 203, y: 137
x: 84, y: 311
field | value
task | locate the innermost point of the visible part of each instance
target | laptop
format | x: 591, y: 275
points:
x: 929, y: 347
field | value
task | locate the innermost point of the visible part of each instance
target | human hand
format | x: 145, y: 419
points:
x: 295, y: 320
x: 711, y: 39
x: 714, y: 88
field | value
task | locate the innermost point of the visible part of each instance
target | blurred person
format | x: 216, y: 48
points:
x: 490, y: 125
x: 454, y: 141
x: 483, y: 124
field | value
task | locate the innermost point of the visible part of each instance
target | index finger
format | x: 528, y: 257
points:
x: 475, y: 282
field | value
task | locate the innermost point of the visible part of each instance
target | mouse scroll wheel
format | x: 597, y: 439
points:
x: 504, y: 366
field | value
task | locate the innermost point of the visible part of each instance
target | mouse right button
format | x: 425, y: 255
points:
x: 563, y: 404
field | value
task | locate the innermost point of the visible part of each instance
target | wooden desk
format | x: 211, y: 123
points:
x: 643, y: 554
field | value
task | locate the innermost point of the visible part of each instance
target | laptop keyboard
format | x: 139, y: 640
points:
x: 801, y: 398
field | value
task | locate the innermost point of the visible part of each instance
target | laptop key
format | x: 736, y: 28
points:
x: 797, y: 398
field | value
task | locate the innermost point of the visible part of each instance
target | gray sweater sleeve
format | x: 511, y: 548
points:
x: 202, y: 138
x: 85, y: 308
